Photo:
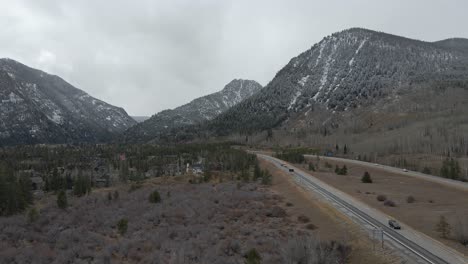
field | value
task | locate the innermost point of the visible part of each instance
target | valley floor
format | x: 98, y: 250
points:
x: 216, y: 222
x: 431, y: 200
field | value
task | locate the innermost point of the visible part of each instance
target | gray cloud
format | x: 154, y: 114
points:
x: 147, y: 56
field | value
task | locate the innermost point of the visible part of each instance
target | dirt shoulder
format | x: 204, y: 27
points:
x: 330, y: 223
x: 431, y: 200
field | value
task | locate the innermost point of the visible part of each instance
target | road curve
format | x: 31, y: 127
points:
x: 448, y: 182
x: 425, y: 249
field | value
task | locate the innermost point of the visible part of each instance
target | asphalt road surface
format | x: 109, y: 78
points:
x: 422, y: 248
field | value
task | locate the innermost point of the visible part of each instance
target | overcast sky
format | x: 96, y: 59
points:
x: 148, y: 55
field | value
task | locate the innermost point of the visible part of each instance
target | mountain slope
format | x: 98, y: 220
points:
x: 197, y: 111
x: 36, y: 107
x: 349, y: 70
x: 140, y: 119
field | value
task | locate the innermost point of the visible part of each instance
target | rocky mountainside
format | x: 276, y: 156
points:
x: 197, y: 111
x: 36, y: 107
x: 348, y: 71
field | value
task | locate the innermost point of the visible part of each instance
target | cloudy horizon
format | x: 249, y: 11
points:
x: 155, y: 55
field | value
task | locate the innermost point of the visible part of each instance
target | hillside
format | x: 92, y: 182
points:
x: 37, y: 107
x: 348, y: 70
x: 197, y: 111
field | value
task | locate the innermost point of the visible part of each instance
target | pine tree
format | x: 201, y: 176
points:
x: 25, y: 192
x: 366, y: 178
x: 122, y: 226
x: 155, y: 197
x: 257, y: 172
x: 33, y: 215
x: 62, y: 202
x: 245, y: 176
x: 344, y: 170
x: 266, y: 178
x: 81, y: 185
x: 311, y: 167
x: 443, y: 227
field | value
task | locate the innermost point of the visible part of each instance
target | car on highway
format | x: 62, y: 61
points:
x: 394, y: 224
x: 291, y: 170
x: 405, y: 170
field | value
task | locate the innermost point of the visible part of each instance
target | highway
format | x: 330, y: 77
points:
x: 409, y: 241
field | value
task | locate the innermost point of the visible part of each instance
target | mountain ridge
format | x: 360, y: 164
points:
x: 38, y: 107
x: 330, y: 87
x: 330, y: 75
x: 195, y: 112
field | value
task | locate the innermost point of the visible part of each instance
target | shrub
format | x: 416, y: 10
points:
x: 381, y: 197
x: 134, y: 187
x: 341, y: 171
x: 311, y: 167
x: 366, y: 178
x: 426, y: 170
x: 155, y: 197
x: 410, y: 199
x: 288, y: 204
x: 116, y: 195
x: 276, y: 211
x: 390, y: 203
x: 303, y: 219
x: 252, y: 257
x: 311, y: 226
x: 122, y: 226
x: 207, y: 176
x: 62, y: 202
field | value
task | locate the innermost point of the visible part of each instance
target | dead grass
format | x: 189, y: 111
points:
x: 328, y: 222
x: 422, y: 213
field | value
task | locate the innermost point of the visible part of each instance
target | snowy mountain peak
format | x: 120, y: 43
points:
x: 36, y: 107
x: 197, y: 111
x: 351, y: 69
x: 328, y: 72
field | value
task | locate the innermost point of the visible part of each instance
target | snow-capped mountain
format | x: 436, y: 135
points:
x: 199, y: 110
x: 355, y: 68
x: 36, y: 107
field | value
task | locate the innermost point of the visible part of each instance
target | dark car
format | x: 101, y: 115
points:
x: 291, y: 170
x: 394, y: 224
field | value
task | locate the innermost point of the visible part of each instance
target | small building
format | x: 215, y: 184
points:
x: 37, y: 183
x: 197, y: 168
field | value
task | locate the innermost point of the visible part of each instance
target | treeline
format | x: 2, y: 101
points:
x: 71, y: 168
x: 450, y: 169
x: 294, y: 155
x: 15, y: 191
